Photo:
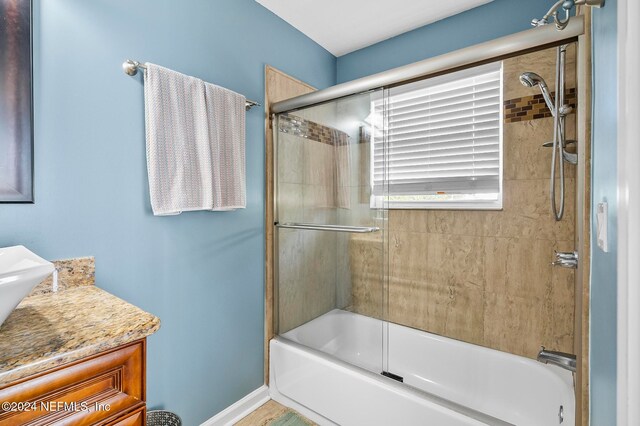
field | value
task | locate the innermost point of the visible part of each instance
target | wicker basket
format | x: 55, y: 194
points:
x: 162, y: 418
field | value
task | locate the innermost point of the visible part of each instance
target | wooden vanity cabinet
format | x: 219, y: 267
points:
x: 136, y: 418
x: 104, y: 389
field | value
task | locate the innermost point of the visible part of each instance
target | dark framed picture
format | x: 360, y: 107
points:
x: 16, y: 102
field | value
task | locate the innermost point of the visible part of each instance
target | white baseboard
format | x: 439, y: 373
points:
x: 240, y: 409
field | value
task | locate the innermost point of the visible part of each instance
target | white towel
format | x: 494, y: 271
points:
x: 226, y: 115
x: 195, y: 144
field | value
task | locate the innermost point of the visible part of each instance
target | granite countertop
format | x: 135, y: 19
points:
x: 51, y: 329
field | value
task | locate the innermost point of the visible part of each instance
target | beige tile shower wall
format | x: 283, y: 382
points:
x: 485, y: 277
x: 358, y: 214
x: 543, y: 63
x: 366, y: 255
x: 307, y: 259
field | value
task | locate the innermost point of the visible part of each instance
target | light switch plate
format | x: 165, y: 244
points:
x: 602, y: 218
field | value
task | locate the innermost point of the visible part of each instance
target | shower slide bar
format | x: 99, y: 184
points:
x: 481, y: 53
x: 130, y: 67
x: 334, y: 228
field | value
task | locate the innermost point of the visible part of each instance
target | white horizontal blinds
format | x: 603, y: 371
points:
x: 443, y: 135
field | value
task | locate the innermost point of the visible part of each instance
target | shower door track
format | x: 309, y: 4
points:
x: 489, y: 51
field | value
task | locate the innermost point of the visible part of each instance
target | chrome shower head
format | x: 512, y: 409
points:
x: 531, y: 79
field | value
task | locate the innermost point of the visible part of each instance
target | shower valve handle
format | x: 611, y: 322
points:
x: 566, y: 259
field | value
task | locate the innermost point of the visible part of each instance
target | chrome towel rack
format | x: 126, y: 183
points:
x: 131, y: 67
x: 334, y: 228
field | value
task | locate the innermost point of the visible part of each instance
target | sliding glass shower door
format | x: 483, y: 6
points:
x: 330, y: 232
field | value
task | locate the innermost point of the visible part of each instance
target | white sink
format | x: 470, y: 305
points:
x: 20, y: 271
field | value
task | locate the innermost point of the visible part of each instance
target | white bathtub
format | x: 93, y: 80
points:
x: 450, y: 382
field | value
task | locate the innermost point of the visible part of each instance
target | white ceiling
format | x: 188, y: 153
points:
x: 342, y: 26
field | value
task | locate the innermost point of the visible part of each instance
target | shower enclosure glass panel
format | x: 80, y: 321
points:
x: 323, y: 216
x: 415, y: 233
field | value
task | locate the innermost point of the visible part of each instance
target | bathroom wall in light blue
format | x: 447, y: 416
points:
x: 202, y: 272
x: 604, y: 188
x: 495, y: 19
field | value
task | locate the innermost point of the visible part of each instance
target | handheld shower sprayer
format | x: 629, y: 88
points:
x: 559, y: 111
x: 531, y: 79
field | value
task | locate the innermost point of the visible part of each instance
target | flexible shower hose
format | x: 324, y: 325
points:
x: 558, y: 135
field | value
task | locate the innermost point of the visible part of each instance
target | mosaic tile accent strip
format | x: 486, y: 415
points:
x: 310, y: 130
x: 533, y: 107
x: 75, y: 272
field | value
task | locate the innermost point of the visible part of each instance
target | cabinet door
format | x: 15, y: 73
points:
x: 95, y: 390
x: 134, y: 419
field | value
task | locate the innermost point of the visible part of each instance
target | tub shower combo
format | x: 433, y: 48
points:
x: 414, y: 240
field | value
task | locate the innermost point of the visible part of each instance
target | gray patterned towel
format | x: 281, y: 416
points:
x: 195, y: 143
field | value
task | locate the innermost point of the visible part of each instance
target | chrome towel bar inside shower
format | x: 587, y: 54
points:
x: 334, y: 228
x: 130, y: 67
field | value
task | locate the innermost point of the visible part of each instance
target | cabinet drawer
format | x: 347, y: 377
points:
x: 94, y: 390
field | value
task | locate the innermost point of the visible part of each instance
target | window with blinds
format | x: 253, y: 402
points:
x: 443, y: 146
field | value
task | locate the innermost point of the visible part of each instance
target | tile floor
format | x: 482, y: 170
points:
x: 272, y: 413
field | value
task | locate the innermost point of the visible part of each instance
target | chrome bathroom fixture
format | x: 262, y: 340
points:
x: 559, y: 111
x: 531, y: 79
x: 566, y: 5
x: 130, y: 67
x: 334, y: 228
x: 561, y: 359
x: 566, y: 259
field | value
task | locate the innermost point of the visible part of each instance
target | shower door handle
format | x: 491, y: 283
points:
x: 334, y: 228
